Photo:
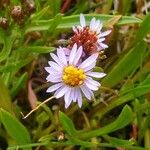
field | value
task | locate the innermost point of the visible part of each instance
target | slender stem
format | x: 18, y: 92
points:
x: 70, y: 143
x: 147, y: 139
x: 47, y: 100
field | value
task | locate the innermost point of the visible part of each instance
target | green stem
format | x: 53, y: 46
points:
x: 147, y: 139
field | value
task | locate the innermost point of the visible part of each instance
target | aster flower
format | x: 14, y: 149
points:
x: 90, y: 37
x: 70, y: 77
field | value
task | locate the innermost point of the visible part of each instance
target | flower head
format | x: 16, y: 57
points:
x: 90, y: 37
x: 71, y: 77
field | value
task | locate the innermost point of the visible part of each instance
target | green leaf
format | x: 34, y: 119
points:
x: 107, y: 6
x: 120, y: 142
x: 15, y: 66
x: 147, y: 139
x: 27, y: 146
x: 55, y: 23
x: 144, y: 29
x: 55, y: 6
x: 126, y: 65
x: 74, y: 142
x: 69, y: 21
x: 14, y: 128
x: 129, y: 95
x: 38, y: 49
x: 5, y: 100
x: 2, y: 35
x: 141, y: 89
x: 77, y: 141
x: 81, y: 6
x: 19, y: 84
x: 40, y: 14
x: 124, y: 6
x: 111, y: 22
x: 7, y: 41
x: 128, y: 20
x: 6, y: 78
x: 67, y: 124
x: 7, y: 46
x: 146, y: 81
x: 124, y: 119
x: 114, y: 142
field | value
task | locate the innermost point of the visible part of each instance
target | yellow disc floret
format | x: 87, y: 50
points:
x: 73, y: 76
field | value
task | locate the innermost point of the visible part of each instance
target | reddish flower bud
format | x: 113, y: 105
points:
x: 29, y: 6
x: 17, y: 14
x: 4, y: 23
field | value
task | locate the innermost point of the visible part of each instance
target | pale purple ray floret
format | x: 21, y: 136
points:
x: 70, y: 78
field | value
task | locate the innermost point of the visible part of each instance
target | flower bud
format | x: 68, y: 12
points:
x: 29, y: 6
x: 17, y: 14
x: 4, y: 23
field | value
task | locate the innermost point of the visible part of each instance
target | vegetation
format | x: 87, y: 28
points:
x: 119, y: 116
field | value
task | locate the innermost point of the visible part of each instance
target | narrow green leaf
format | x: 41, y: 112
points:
x: 126, y: 65
x: 46, y: 138
x: 124, y: 6
x: 111, y: 22
x: 5, y: 100
x: 27, y: 146
x: 14, y: 128
x: 55, y: 23
x: 14, y: 66
x: 114, y: 142
x: 81, y: 6
x: 67, y: 124
x: 129, y: 95
x: 84, y: 144
x: 146, y: 81
x: 144, y: 29
x: 6, y: 78
x: 147, y: 139
x: 69, y: 21
x: 40, y: 14
x: 128, y: 20
x: 2, y: 35
x: 37, y: 5
x: 124, y: 119
x: 8, y: 42
x: 55, y: 6
x: 107, y: 6
x: 141, y: 89
x: 19, y: 84
x: 120, y: 142
x: 77, y: 141
x: 38, y: 49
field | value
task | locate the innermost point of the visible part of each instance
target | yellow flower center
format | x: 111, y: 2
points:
x: 73, y: 76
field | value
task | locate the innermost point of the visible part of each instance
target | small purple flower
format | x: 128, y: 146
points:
x: 71, y: 77
x: 90, y: 37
